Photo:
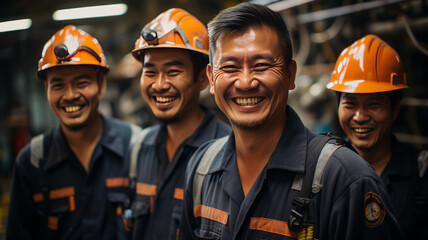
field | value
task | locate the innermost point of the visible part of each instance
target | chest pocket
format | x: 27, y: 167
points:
x: 54, y: 205
x: 212, y: 222
x: 118, y: 197
x: 176, y: 214
x: 142, y: 206
x: 140, y: 215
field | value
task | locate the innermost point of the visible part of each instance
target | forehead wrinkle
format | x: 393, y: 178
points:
x: 227, y: 58
x: 266, y: 56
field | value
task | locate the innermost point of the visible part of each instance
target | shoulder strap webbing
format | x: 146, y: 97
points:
x: 36, y: 148
x: 315, y: 147
x: 137, y: 139
x: 318, y: 153
x: 204, y: 166
x: 422, y: 162
x: 326, y: 153
x: 37, y: 160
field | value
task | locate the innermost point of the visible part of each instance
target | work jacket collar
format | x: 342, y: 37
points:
x: 205, y: 132
x: 400, y: 162
x: 59, y: 150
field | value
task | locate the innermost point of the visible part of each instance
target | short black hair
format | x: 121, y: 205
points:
x: 244, y: 16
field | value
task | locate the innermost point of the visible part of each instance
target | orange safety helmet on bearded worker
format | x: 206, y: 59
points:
x: 71, y: 46
x: 174, y: 28
x: 369, y: 65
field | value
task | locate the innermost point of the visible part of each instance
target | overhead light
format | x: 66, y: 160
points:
x: 90, y: 12
x: 15, y: 25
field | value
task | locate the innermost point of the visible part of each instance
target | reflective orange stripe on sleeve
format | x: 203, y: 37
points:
x: 117, y: 182
x: 146, y: 189
x: 61, y: 193
x: 38, y: 197
x: 272, y: 226
x: 211, y: 213
x: 178, y: 194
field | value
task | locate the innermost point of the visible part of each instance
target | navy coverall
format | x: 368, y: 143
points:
x: 158, y: 203
x: 61, y: 200
x: 408, y: 191
x: 352, y: 204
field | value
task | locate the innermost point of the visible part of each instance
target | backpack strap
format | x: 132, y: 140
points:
x: 204, y: 166
x: 319, y: 152
x: 422, y: 162
x: 137, y: 138
x: 36, y: 148
x: 325, y: 155
x: 38, y: 161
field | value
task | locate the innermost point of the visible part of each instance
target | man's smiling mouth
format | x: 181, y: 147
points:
x: 164, y: 99
x: 72, y: 109
x: 248, y: 101
x: 362, y: 130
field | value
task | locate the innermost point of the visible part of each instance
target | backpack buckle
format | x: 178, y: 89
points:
x: 298, y: 214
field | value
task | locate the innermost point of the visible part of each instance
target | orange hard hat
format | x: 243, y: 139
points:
x: 71, y: 46
x: 369, y: 65
x: 174, y: 28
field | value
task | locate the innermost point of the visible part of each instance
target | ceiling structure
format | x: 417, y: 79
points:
x: 320, y: 30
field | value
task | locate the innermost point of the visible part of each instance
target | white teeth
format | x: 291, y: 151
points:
x: 248, y: 101
x: 72, y: 109
x: 362, y: 130
x: 164, y: 99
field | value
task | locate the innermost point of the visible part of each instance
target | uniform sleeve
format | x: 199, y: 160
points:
x: 357, y: 205
x: 22, y: 222
x: 364, y: 212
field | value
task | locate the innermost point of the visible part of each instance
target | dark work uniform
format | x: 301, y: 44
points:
x: 408, y: 191
x: 158, y: 204
x: 352, y: 204
x: 59, y: 199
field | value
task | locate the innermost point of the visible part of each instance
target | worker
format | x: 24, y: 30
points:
x: 173, y: 50
x: 369, y: 81
x: 69, y: 182
x: 250, y: 188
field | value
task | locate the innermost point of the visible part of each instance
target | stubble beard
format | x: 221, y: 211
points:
x: 250, y: 126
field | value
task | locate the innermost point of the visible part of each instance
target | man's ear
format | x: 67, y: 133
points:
x: 203, y: 79
x: 210, y: 78
x: 102, y: 83
x: 292, y: 68
x: 396, y: 110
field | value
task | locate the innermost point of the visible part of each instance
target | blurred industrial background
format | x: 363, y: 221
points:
x: 320, y: 29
